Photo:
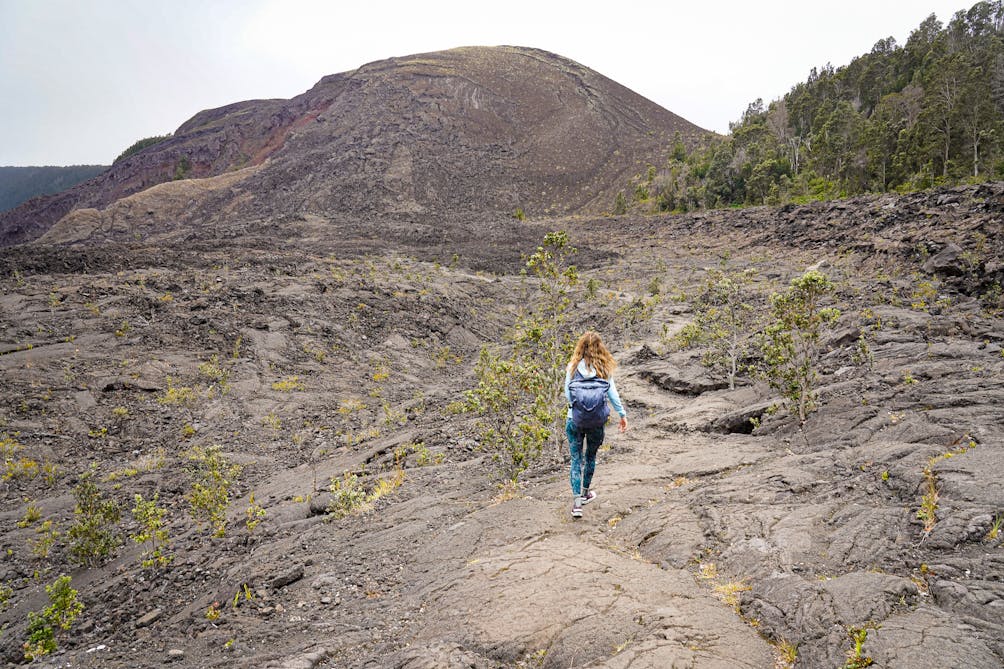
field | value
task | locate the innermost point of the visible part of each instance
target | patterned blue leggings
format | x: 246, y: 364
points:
x: 581, y: 473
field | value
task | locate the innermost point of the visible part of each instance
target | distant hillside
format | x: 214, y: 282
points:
x: 462, y: 134
x: 20, y: 184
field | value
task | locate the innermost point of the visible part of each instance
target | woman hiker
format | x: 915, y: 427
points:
x: 589, y: 384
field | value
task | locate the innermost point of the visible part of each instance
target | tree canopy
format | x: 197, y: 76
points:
x: 899, y: 118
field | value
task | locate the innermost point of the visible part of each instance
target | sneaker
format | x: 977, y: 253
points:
x: 588, y: 497
x: 577, y: 508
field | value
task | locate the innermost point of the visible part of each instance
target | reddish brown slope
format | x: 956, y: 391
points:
x: 211, y: 143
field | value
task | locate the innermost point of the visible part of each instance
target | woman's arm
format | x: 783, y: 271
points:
x: 615, y: 399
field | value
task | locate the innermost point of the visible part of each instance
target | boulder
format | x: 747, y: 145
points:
x: 684, y: 379
x: 285, y: 577
x: 946, y: 262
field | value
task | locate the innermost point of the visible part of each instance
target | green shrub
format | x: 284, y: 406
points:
x: 16, y: 466
x: 182, y: 168
x: 791, y: 341
x: 254, y: 514
x: 151, y: 531
x: 213, y: 371
x: 94, y: 535
x: 177, y: 394
x: 212, y: 475
x: 727, y: 314
x: 44, y: 628
x: 543, y: 339
x: 512, y: 399
x: 423, y: 456
x: 620, y: 204
x: 518, y: 395
x: 31, y: 515
x: 856, y: 658
x: 6, y: 592
x: 288, y: 385
x: 347, y: 495
x: 48, y: 534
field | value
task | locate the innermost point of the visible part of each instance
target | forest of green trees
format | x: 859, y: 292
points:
x: 900, y: 118
x: 20, y: 184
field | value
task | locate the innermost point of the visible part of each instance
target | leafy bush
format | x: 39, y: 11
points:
x: 347, y: 495
x: 620, y: 204
x: 728, y: 313
x: 152, y: 531
x: 212, y: 475
x: 856, y: 658
x: 288, y: 385
x: 213, y: 371
x: 254, y: 514
x: 791, y: 341
x: 543, y: 340
x: 16, y: 466
x: 512, y: 399
x: 176, y: 394
x: 423, y: 456
x: 518, y: 393
x: 44, y: 628
x: 31, y: 515
x: 6, y: 592
x: 94, y: 535
x: 48, y: 534
x: 182, y: 169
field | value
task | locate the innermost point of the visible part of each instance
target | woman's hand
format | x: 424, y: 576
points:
x: 623, y: 425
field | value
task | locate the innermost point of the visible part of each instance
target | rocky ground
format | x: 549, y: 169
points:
x: 711, y: 544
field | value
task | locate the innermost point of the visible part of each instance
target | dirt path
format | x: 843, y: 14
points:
x: 578, y: 592
x: 453, y: 579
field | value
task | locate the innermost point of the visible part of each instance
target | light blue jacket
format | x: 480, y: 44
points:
x: 588, y: 372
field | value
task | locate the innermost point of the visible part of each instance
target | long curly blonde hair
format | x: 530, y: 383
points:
x: 591, y: 349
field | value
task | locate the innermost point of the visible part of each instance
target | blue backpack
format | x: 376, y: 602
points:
x: 589, y: 401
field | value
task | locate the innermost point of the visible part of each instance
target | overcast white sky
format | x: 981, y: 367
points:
x: 80, y: 80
